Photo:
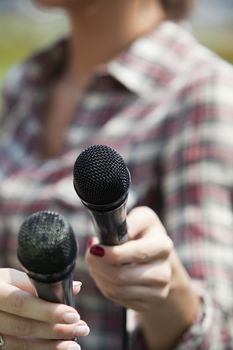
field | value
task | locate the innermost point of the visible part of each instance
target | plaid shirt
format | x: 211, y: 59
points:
x: 166, y: 105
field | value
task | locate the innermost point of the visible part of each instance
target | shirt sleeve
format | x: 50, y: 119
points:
x: 198, y: 208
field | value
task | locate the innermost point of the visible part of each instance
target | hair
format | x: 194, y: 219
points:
x: 177, y: 9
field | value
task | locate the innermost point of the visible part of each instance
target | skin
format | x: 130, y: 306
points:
x: 28, y: 322
x: 91, y: 47
x: 145, y: 274
x: 148, y: 276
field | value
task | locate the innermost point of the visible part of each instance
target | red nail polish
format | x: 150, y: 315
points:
x: 97, y: 250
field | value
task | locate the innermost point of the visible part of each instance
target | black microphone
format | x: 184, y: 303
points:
x: 47, y: 251
x: 101, y: 180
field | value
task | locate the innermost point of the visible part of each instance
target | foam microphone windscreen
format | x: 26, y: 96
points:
x: 47, y: 245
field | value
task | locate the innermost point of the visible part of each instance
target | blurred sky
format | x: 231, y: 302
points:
x: 213, y: 25
x: 214, y: 12
x: 23, y: 28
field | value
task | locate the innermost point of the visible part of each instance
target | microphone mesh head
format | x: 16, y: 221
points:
x: 46, y: 243
x: 100, y: 175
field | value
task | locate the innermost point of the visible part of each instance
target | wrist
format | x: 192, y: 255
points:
x: 168, y: 319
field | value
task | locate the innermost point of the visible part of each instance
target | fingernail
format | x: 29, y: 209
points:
x: 77, y: 284
x: 71, y: 317
x: 74, y: 346
x: 76, y: 287
x: 97, y: 250
x: 82, y: 331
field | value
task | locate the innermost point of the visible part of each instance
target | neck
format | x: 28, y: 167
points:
x: 104, y: 28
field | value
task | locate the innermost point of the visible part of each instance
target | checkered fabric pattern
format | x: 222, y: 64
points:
x: 166, y: 105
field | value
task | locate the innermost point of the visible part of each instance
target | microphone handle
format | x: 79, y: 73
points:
x: 114, y: 222
x: 58, y: 292
x: 110, y: 225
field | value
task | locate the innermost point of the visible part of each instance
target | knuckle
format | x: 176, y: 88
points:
x: 153, y: 216
x: 60, y: 331
x: 164, y: 293
x: 113, y: 294
x: 149, y: 214
x: 143, y: 256
x: 61, y: 345
x: 167, y: 247
x: 143, y: 253
x: 116, y: 256
x: 166, y: 274
x: 170, y: 244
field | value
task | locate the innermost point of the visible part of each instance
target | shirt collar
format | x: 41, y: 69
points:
x: 153, y: 60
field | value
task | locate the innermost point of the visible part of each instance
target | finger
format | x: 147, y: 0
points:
x: 22, y: 327
x: 18, y: 302
x: 154, y: 245
x: 138, y: 298
x: 76, y: 287
x: 22, y: 281
x: 138, y: 305
x: 18, y: 279
x: 140, y: 293
x: 37, y: 344
x: 137, y: 293
x: 151, y: 274
x: 148, y: 240
x: 139, y: 219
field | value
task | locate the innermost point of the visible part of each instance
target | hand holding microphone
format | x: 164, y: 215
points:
x: 144, y: 273
x: 27, y: 321
x: 134, y: 273
x: 137, y: 274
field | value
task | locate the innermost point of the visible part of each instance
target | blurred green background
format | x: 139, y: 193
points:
x: 25, y: 28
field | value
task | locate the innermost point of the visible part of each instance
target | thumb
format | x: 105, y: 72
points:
x: 18, y: 279
x: 21, y: 280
